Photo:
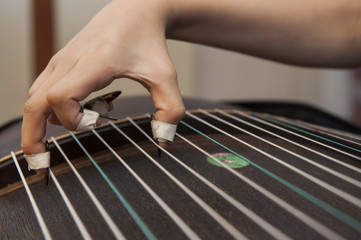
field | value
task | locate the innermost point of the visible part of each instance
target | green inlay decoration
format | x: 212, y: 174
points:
x: 228, y: 159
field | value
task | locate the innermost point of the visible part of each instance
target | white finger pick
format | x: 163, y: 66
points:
x: 163, y: 131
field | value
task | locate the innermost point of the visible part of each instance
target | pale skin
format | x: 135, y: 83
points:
x: 127, y: 38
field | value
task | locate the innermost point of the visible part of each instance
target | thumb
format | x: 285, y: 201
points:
x: 167, y: 102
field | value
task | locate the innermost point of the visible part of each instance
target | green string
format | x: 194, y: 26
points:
x: 306, y: 132
x: 130, y: 210
x: 325, y: 206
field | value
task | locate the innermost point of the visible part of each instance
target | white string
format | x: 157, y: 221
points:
x: 250, y: 214
x: 72, y: 211
x: 348, y: 197
x: 231, y: 230
x: 318, y: 227
x: 113, y: 227
x: 39, y: 217
x: 322, y: 144
x: 295, y: 125
x: 313, y: 127
x: 331, y: 171
x: 181, y: 224
x: 300, y: 145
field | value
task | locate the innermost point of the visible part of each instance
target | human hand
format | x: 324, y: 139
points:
x: 125, y: 39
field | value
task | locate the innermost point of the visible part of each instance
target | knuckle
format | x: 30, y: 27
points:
x: 31, y: 92
x: 178, y: 113
x: 29, y: 107
x: 55, y: 59
x: 55, y: 97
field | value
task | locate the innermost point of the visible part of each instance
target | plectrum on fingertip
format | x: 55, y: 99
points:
x: 101, y: 104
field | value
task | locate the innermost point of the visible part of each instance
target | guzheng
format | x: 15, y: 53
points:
x: 230, y: 174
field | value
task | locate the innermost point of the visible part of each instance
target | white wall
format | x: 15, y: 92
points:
x: 224, y: 75
x: 15, y: 57
x: 337, y: 93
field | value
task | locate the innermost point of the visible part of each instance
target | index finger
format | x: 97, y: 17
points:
x: 37, y: 109
x: 33, y: 127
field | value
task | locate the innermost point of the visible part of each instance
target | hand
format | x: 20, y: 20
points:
x: 125, y: 39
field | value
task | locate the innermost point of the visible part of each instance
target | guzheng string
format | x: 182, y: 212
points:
x: 181, y: 224
x: 322, y: 204
x: 279, y: 122
x: 329, y: 187
x: 145, y: 229
x: 112, y: 226
x: 84, y: 232
x: 293, y: 142
x: 333, y: 172
x: 315, y: 135
x: 216, y: 216
x: 270, y: 229
x: 325, y: 131
x: 39, y: 217
x: 256, y: 219
x: 318, y: 227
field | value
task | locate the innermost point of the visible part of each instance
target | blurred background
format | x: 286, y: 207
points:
x: 203, y: 72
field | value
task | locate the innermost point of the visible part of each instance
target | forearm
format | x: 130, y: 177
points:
x: 311, y: 33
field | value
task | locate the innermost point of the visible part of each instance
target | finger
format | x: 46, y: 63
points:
x: 169, y: 105
x: 53, y: 119
x: 170, y: 110
x: 85, y: 78
x: 167, y: 99
x: 40, y: 80
x: 36, y: 112
x: 55, y: 70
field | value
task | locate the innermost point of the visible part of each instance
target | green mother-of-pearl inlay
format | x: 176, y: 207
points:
x: 228, y: 159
